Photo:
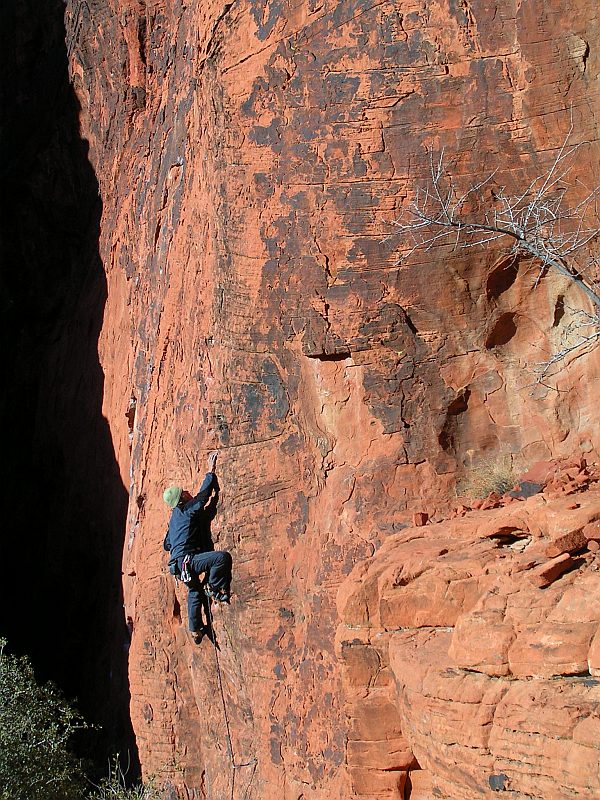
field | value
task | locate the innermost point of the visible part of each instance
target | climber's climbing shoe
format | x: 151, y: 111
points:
x: 219, y: 595
x: 197, y: 636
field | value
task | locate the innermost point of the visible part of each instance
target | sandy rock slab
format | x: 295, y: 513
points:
x: 466, y: 675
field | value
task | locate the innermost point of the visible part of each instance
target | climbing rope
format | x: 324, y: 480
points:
x: 234, y: 766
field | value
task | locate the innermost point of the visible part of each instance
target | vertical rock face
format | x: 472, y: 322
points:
x: 252, y: 158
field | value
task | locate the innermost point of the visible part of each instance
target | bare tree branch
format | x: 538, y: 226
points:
x: 539, y: 223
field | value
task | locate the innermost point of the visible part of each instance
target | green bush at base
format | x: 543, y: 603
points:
x: 36, y: 724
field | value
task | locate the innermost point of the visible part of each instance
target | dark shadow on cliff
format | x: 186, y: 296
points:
x: 63, y: 502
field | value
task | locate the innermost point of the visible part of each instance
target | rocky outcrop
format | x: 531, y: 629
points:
x: 471, y: 655
x: 252, y: 158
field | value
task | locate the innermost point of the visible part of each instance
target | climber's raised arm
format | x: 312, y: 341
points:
x: 209, y: 484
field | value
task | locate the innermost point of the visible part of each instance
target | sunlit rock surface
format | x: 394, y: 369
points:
x: 487, y: 675
x: 252, y: 158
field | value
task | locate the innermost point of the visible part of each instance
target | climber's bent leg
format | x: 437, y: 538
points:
x: 217, y: 566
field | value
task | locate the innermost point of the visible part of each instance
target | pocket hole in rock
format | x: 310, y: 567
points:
x: 502, y: 332
x: 501, y: 279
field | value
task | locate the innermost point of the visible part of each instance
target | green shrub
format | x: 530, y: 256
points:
x: 36, y: 723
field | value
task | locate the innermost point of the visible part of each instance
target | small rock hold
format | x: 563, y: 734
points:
x: 546, y: 573
x: 567, y: 543
x: 491, y: 501
x: 420, y: 518
x: 498, y: 783
x: 593, y: 546
x: 592, y: 530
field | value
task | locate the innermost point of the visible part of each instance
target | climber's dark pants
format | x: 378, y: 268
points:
x: 197, y: 600
x: 217, y: 566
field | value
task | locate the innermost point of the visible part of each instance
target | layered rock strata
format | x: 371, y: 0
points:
x: 471, y: 652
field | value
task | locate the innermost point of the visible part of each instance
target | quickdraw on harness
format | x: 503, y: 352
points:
x: 185, y: 575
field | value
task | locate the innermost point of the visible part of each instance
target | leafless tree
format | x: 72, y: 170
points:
x: 538, y: 222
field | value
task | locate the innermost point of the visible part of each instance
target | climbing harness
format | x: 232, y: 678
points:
x: 234, y: 766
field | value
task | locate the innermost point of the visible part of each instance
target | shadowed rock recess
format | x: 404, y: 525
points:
x: 63, y: 500
x: 384, y: 641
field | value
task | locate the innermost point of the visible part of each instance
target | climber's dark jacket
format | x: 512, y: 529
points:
x: 187, y: 526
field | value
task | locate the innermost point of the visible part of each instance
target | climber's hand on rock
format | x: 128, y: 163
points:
x: 212, y: 461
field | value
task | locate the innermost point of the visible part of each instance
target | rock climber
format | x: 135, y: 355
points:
x: 191, y: 550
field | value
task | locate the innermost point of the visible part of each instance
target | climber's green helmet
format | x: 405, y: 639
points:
x: 172, y: 495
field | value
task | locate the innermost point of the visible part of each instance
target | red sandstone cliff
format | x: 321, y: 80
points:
x: 471, y: 652
x: 251, y: 158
